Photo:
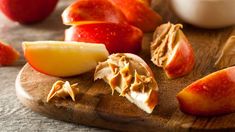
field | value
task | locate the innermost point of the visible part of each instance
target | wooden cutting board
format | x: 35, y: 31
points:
x: 95, y: 106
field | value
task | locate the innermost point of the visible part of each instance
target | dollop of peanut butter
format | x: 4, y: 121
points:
x: 120, y: 71
x: 131, y: 77
x: 63, y: 89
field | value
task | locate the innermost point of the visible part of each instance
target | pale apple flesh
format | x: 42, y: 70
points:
x: 63, y: 59
x: 210, y: 96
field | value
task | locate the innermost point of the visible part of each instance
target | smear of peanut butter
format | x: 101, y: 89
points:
x: 163, y: 43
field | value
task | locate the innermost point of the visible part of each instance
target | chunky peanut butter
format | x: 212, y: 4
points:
x: 125, y: 73
x: 63, y: 89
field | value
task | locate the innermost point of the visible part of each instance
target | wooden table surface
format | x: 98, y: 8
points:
x: 13, y: 115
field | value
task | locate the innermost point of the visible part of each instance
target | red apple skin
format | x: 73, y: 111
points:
x: 210, y: 96
x: 92, y: 10
x: 182, y: 62
x: 8, y: 55
x: 27, y: 11
x: 139, y: 14
x: 147, y: 2
x: 118, y: 38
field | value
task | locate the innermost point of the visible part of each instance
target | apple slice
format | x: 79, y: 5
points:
x: 63, y: 59
x: 129, y: 75
x: 118, y: 38
x: 210, y: 96
x: 139, y: 14
x: 171, y: 50
x: 92, y: 10
x: 8, y: 55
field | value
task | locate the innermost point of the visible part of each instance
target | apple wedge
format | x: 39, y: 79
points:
x: 210, y: 96
x: 63, y: 59
x: 172, y: 51
x: 8, y: 55
x: 118, y: 38
x: 139, y: 14
x: 129, y: 75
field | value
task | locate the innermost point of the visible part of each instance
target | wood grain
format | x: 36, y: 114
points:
x: 95, y: 106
